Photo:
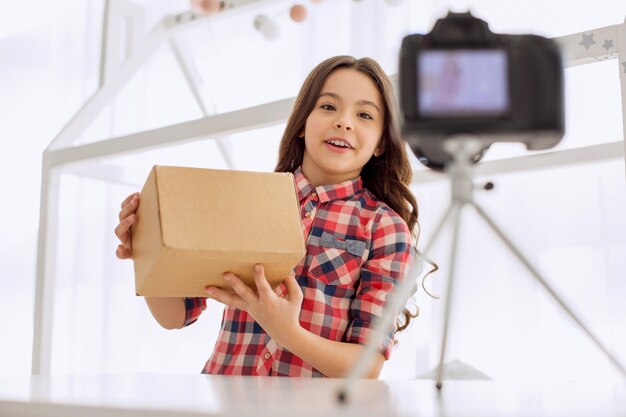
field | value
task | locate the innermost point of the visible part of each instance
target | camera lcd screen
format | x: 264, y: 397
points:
x: 463, y: 82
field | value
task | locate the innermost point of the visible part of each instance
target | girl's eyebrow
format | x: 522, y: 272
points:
x: 360, y: 102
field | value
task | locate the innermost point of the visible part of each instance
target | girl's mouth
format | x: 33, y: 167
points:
x: 339, y: 144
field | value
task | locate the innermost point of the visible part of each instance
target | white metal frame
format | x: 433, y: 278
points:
x: 579, y: 48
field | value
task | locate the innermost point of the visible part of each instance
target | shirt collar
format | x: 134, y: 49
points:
x: 326, y: 192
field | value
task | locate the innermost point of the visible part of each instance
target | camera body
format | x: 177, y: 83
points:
x: 461, y: 80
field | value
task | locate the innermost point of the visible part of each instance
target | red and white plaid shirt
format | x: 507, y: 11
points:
x: 357, y: 249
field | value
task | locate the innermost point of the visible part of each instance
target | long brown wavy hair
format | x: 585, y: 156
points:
x: 387, y: 176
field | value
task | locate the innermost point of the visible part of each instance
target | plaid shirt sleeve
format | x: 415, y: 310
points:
x: 193, y: 308
x: 389, y: 254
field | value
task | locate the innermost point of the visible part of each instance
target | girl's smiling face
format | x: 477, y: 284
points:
x: 344, y: 128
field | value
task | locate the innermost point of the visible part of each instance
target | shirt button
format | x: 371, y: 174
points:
x: 307, y: 214
x: 267, y: 355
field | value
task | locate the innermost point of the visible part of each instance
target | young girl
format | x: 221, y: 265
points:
x: 351, y: 174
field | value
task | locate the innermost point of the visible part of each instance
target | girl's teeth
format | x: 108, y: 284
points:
x: 341, y: 144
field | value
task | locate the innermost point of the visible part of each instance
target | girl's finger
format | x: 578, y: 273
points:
x: 245, y: 292
x: 294, y: 292
x: 263, y: 287
x: 232, y: 300
x: 127, y: 199
x: 129, y: 208
x: 122, y: 229
x: 122, y: 253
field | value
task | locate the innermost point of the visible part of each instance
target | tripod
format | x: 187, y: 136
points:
x: 462, y: 187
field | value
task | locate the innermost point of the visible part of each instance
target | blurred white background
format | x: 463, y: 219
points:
x: 570, y: 219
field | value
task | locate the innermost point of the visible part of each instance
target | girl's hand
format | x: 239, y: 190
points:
x: 122, y: 231
x: 279, y: 317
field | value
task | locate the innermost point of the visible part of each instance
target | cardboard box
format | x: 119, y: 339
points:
x: 195, y: 224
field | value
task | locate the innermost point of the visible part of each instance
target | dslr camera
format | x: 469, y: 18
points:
x: 462, y: 80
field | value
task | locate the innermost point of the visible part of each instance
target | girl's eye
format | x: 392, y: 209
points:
x: 365, y: 116
x: 327, y: 107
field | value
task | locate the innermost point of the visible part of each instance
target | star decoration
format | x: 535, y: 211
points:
x: 587, y: 41
x: 608, y: 44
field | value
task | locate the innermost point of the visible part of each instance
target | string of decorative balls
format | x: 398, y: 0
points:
x: 263, y: 23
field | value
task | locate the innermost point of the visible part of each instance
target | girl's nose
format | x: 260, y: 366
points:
x: 343, y: 124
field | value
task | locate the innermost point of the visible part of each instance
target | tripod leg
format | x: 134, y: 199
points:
x: 547, y: 287
x: 449, y: 287
x: 401, y: 294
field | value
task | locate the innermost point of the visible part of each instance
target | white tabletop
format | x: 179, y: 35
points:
x: 211, y: 395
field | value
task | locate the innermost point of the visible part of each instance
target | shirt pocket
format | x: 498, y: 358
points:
x: 336, y: 261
